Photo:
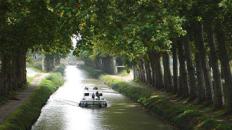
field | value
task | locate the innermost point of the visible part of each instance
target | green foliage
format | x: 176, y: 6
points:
x: 38, y: 25
x: 126, y: 28
x: 27, y: 113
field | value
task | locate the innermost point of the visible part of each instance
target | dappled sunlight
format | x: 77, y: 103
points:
x: 62, y: 111
x: 155, y: 96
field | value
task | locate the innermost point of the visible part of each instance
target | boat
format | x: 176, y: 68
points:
x: 92, y: 99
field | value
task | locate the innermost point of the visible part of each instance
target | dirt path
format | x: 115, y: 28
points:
x: 21, y: 96
x: 126, y: 78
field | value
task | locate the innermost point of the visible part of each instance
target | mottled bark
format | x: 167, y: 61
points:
x: 190, y: 68
x: 135, y: 72
x: 21, y: 68
x: 203, y: 59
x: 217, y: 84
x: 183, y: 87
x: 175, y: 68
x: 157, y: 74
x: 200, y: 79
x: 153, y: 72
x: 148, y: 72
x: 5, y: 75
x: 225, y: 65
x: 1, y: 76
x: 158, y: 69
x: 142, y: 71
x: 167, y: 73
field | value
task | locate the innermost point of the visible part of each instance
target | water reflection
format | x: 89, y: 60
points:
x: 62, y: 111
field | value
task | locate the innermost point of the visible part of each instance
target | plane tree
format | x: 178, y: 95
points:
x: 35, y: 25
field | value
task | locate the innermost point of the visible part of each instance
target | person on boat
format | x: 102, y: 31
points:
x: 93, y: 96
x: 97, y: 95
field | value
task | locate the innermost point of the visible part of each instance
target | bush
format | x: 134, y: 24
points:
x: 27, y: 114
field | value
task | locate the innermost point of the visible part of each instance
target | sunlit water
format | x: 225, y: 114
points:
x: 62, y: 111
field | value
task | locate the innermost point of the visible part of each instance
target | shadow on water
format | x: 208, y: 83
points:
x: 62, y: 112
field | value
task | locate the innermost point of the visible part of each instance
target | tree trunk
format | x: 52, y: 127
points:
x: 135, y: 72
x: 203, y: 60
x: 183, y: 89
x: 225, y: 65
x: 1, y: 76
x: 13, y: 72
x: 190, y: 68
x: 148, y: 72
x: 167, y: 72
x: 139, y: 72
x: 21, y: 68
x: 6, y: 74
x: 157, y: 74
x: 158, y: 69
x: 153, y: 72
x: 142, y: 72
x: 200, y: 79
x: 109, y: 65
x: 216, y: 91
x: 57, y: 60
x: 175, y: 68
x: 49, y: 62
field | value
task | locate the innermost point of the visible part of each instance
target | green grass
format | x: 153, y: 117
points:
x: 27, y: 114
x: 124, y: 72
x: 30, y: 79
x: 37, y: 66
x: 185, y: 117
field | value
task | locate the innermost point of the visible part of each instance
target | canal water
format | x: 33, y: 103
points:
x: 63, y: 113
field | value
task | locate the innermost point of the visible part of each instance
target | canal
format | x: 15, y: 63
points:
x: 62, y: 112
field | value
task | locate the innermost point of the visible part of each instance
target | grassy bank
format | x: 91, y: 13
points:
x: 27, y: 114
x: 185, y: 116
x: 91, y: 72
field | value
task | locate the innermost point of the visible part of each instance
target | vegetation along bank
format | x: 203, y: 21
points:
x: 185, y: 117
x: 27, y: 114
x: 178, y: 111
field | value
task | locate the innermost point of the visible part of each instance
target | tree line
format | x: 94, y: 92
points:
x: 195, y: 34
x: 183, y: 47
x: 32, y: 26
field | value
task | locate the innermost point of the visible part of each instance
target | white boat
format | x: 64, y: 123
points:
x: 93, y: 98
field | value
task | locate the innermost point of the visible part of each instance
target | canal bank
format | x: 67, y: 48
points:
x: 179, y: 112
x: 20, y: 114
x: 63, y: 113
x: 175, y: 110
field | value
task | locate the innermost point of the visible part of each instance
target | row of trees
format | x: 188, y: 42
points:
x: 178, y: 46
x: 35, y: 25
x: 196, y: 34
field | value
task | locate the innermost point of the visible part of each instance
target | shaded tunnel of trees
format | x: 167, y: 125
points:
x: 183, y: 47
